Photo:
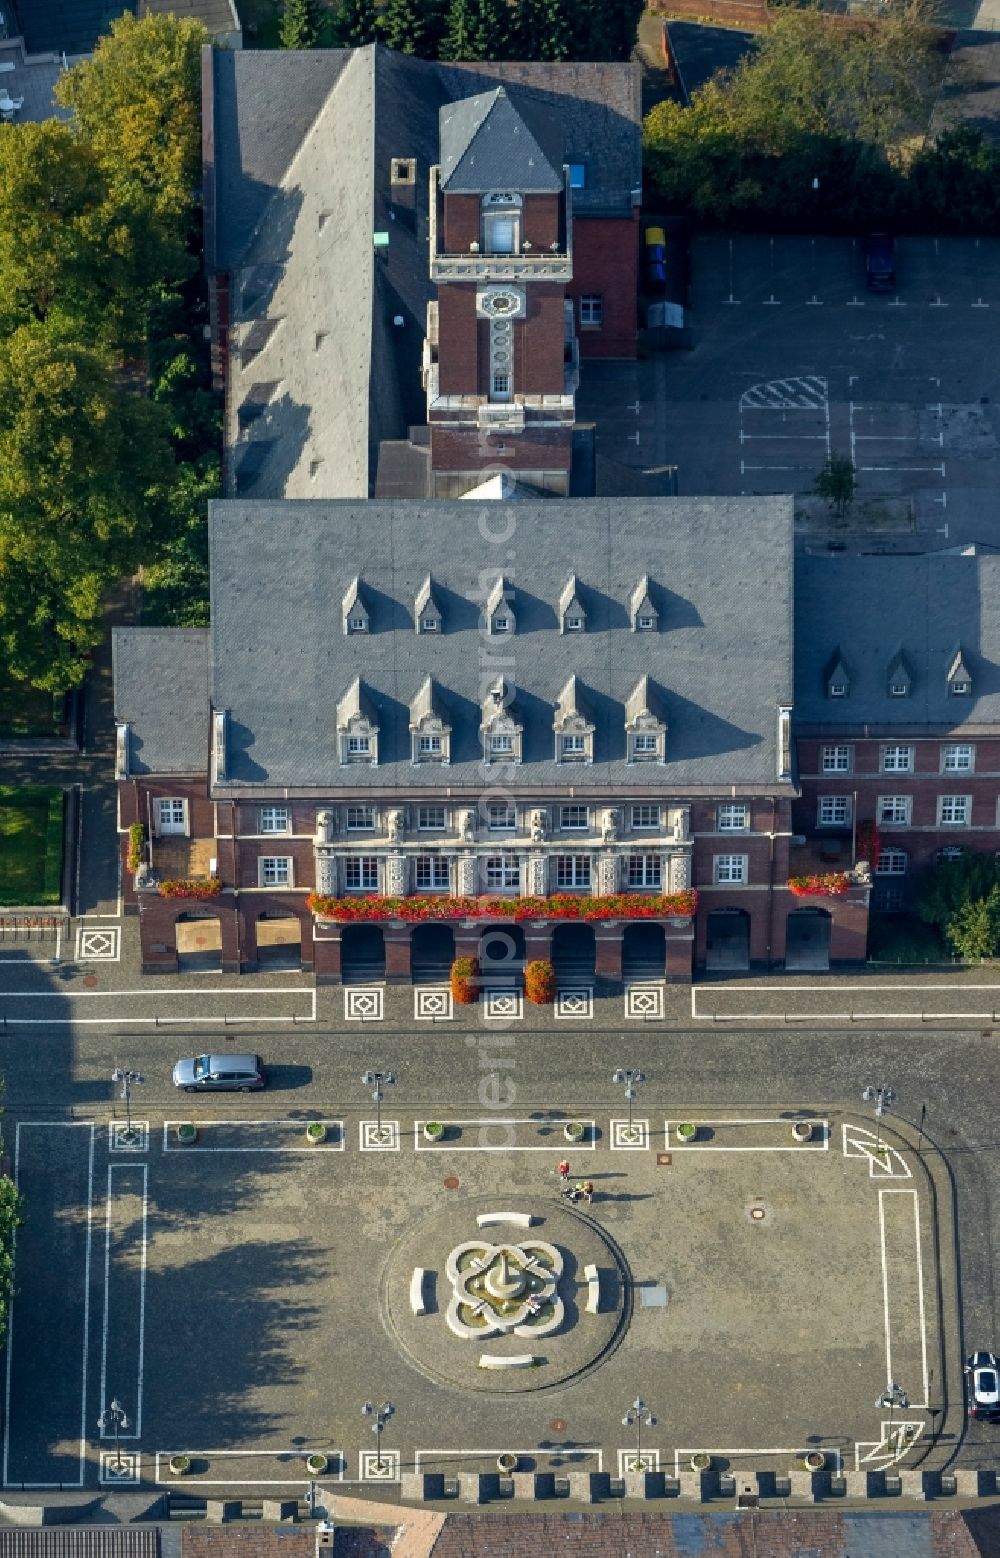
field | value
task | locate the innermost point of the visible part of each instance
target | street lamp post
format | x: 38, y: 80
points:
x: 630, y: 1080
x: 378, y: 1081
x: 114, y: 1416
x: 381, y: 1411
x: 892, y: 1396
x: 637, y: 1415
x: 883, y: 1098
x: 128, y: 1079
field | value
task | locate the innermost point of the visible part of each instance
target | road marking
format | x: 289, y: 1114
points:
x: 916, y: 1405
x: 499, y: 1122
x: 705, y: 1146
x: 577, y: 1451
x: 769, y: 1450
x: 297, y: 1454
x: 160, y: 1021
x: 818, y: 1018
x: 137, y: 1413
x: 299, y: 1126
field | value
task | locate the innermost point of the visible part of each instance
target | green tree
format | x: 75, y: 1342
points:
x: 11, y: 1206
x: 300, y: 25
x: 476, y: 30
x: 974, y: 931
x: 414, y: 26
x: 952, y: 884
x: 837, y: 482
x: 545, y: 30
x: 356, y: 23
x: 606, y: 29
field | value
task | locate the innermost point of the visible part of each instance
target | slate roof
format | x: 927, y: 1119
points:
x: 869, y: 610
x: 74, y: 26
x: 492, y: 142
x: 281, y: 663
x: 297, y: 150
x: 161, y: 689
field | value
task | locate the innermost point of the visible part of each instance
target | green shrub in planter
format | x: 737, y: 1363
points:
x: 465, y: 981
x: 433, y: 1130
x: 179, y: 1464
x: 574, y: 1130
x: 316, y: 1464
x: 686, y: 1131
x: 315, y: 1132
x: 187, y: 1134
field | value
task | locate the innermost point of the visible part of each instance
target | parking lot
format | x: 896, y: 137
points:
x: 244, y: 1296
x: 792, y: 359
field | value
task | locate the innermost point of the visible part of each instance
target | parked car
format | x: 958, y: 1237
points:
x: 220, y: 1074
x: 880, y: 262
x: 983, y: 1370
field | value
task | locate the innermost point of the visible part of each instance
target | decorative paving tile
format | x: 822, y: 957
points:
x: 363, y: 1005
x: 100, y: 944
x: 371, y: 1471
x: 622, y: 1141
x: 119, y: 1139
x: 379, y: 1139
x: 576, y: 1005
x: 629, y: 1461
x: 121, y: 1470
x: 644, y: 1002
x: 506, y: 1005
x: 432, y: 1004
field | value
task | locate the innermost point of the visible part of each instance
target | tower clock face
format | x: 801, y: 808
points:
x: 501, y: 302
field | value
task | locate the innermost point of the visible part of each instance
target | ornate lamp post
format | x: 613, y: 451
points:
x: 883, y: 1098
x: 378, y: 1081
x: 630, y: 1080
x: 114, y: 1417
x: 637, y: 1415
x: 381, y: 1411
x: 892, y: 1396
x: 128, y: 1079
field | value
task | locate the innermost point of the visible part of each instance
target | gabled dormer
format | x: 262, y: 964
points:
x: 573, y: 726
x: 899, y: 677
x: 500, y: 727
x: 645, y: 724
x: 427, y: 614
x: 643, y: 613
x: 357, y: 726
x: 430, y: 726
x: 959, y: 675
x: 837, y: 677
x: 498, y: 611
x: 572, y: 612
x: 354, y: 608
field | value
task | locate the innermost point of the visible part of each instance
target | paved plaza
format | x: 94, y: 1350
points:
x: 244, y: 1296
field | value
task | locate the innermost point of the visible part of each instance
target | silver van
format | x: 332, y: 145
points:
x: 220, y: 1074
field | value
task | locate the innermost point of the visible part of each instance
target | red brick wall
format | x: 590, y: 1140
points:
x: 461, y: 222
x: 606, y: 260
x: 454, y: 450
x: 541, y: 220
x: 458, y: 335
x: 539, y: 342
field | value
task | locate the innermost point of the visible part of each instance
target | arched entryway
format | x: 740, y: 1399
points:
x: 573, y: 953
x: 362, y: 954
x: 501, y: 952
x: 279, y: 939
x: 727, y: 949
x: 807, y: 940
x: 198, y: 940
x: 432, y: 952
x: 644, y: 951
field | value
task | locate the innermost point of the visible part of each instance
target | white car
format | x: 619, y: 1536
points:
x: 984, y: 1385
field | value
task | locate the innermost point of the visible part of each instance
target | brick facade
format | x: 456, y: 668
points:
x: 606, y: 263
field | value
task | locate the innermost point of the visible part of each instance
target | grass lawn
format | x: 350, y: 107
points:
x: 31, y: 837
x: 27, y: 711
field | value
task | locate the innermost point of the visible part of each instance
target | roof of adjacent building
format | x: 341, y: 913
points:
x: 492, y: 142
x: 220, y: 17
x: 871, y: 613
x: 720, y: 570
x: 53, y: 26
x: 319, y: 372
x: 161, y: 688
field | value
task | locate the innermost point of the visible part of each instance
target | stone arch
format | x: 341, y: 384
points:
x: 727, y: 948
x: 808, y: 931
x: 644, y: 950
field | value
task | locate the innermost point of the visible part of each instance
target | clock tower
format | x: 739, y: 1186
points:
x: 501, y: 361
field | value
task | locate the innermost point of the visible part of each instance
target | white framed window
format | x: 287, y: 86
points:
x: 572, y: 747
x: 501, y: 385
x: 592, y: 309
x: 430, y: 624
x: 734, y: 817
x: 502, y: 871
x: 836, y: 760
x: 429, y: 746
x: 275, y: 871
x: 644, y: 746
x: 645, y: 623
x: 171, y: 815
x: 958, y: 757
x: 360, y: 819
x: 273, y: 819
x: 573, y: 624
x: 572, y: 870
x: 359, y: 746
x: 730, y: 868
x: 837, y: 689
x: 646, y: 814
x: 897, y: 760
x: 357, y: 624
x: 955, y: 811
x: 501, y: 816
x: 834, y: 810
x: 643, y: 870
x: 431, y: 818
x: 501, y: 744
x: 574, y: 817
x: 431, y: 873
x: 960, y: 689
x: 361, y: 873
x: 898, y: 689
x: 892, y: 862
x: 894, y: 810
x: 952, y: 852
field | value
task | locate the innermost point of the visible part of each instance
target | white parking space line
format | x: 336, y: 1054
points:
x: 160, y: 1019
x: 498, y: 1123
x: 334, y: 1457
x: 677, y: 1145
x: 685, y: 1454
x: 136, y: 1398
x: 900, y: 1214
x: 577, y: 1451
x: 817, y: 1018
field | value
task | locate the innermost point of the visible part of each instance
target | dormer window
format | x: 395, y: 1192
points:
x: 430, y: 726
x: 960, y: 689
x: 572, y: 613
x: 898, y: 689
x: 501, y: 743
x: 838, y: 689
x: 426, y: 611
x: 645, y: 724
x: 430, y: 624
x: 501, y: 624
x: 642, y: 608
x: 573, y: 624
x: 498, y: 611
x: 429, y: 746
x: 359, y: 746
x: 837, y: 677
x: 899, y: 676
x: 500, y: 726
x: 573, y: 726
x: 645, y: 623
x: 644, y: 744
x: 357, y: 624
x: 357, y: 726
x: 355, y: 609
x: 959, y: 677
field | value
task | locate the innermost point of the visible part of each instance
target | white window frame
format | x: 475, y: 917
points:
x: 643, y: 870
x: 729, y: 811
x: 960, y: 689
x: 645, y: 743
x: 502, y: 873
x: 574, y: 827
x: 510, y: 812
x: 423, y: 826
x: 952, y: 750
x: 892, y: 862
x: 437, y: 868
x: 279, y: 868
x: 574, y: 624
x: 896, y: 759
x: 358, y: 746
x: 360, y: 808
x: 267, y: 819
x: 954, y: 803
x: 501, y: 745
x: 899, y: 689
x: 837, y: 689
x: 833, y: 811
x: 357, y: 624
x: 592, y: 310
x: 729, y: 870
x: 573, y: 747
x: 638, y: 821
x: 365, y: 867
x: 645, y: 623
x: 572, y: 871
x: 177, y: 824
x: 429, y: 746
x: 836, y: 759
x: 901, y: 804
x: 430, y: 624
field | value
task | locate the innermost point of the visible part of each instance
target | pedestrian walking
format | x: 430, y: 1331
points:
x: 564, y: 1170
x: 587, y: 1189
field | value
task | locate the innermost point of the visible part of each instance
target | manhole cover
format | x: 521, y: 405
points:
x: 558, y: 1425
x: 90, y: 980
x: 664, y: 1159
x: 452, y: 1182
x: 757, y: 1214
